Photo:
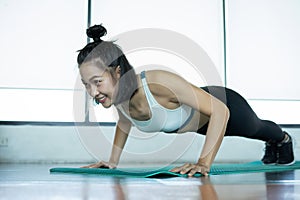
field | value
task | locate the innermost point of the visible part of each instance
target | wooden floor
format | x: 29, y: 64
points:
x: 35, y: 182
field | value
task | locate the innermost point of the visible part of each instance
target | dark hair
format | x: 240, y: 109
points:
x: 108, y: 54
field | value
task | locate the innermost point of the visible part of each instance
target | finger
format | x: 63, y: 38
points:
x: 198, y: 169
x: 187, y: 169
x: 93, y: 165
x: 178, y: 169
x: 100, y: 165
x: 205, y: 173
x: 96, y: 165
x: 192, y: 172
x: 112, y: 167
x: 201, y: 170
x: 86, y: 166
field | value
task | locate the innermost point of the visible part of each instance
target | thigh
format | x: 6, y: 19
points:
x: 242, y: 121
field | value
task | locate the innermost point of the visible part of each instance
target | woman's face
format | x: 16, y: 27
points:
x: 99, y: 83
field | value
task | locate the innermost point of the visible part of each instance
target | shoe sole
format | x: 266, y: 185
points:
x: 269, y: 163
x: 293, y: 147
x: 287, y: 164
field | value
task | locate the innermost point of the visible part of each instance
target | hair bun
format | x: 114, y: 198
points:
x: 96, y: 32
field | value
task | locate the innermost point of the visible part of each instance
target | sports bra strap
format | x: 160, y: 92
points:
x: 151, y: 100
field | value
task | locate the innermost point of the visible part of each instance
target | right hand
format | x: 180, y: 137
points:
x: 101, y: 164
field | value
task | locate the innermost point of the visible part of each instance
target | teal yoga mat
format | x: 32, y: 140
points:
x: 216, y: 169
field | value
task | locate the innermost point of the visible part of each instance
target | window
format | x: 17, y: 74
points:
x: 201, y: 24
x: 39, y: 79
x: 38, y: 69
x: 262, y: 56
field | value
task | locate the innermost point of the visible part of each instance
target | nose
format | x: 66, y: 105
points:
x: 94, y: 91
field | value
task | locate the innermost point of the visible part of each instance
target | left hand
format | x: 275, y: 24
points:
x: 191, y: 169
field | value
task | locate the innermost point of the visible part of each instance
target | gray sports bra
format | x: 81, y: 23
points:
x: 162, y: 119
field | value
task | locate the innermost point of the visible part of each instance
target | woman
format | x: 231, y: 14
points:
x: 158, y: 100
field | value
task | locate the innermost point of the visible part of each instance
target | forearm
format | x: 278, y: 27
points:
x: 214, y: 136
x: 121, y: 135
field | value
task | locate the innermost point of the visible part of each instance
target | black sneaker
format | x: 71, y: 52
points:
x: 285, y: 152
x: 270, y: 156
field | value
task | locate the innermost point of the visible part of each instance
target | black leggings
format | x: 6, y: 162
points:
x: 243, y: 121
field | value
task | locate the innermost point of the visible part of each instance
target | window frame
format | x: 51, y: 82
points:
x: 87, y: 121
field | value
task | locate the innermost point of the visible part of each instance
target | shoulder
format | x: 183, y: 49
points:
x: 170, y: 80
x: 164, y: 82
x: 184, y: 91
x: 161, y: 76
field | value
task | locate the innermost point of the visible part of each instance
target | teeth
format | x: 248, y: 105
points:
x: 101, y: 98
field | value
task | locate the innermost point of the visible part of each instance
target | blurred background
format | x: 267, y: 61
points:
x: 46, y: 116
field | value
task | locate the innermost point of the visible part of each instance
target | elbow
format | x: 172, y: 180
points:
x: 227, y: 113
x: 221, y: 114
x: 224, y: 114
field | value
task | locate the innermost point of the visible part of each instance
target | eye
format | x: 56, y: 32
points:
x: 85, y: 84
x: 97, y: 82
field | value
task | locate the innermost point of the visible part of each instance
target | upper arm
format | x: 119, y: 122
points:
x: 188, y: 94
x: 123, y: 123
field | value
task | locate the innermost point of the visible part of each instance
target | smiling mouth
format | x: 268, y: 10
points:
x: 102, y: 99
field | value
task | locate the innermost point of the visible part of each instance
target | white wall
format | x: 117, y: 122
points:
x: 39, y: 40
x: 46, y: 144
x: 263, y: 56
x: 200, y: 21
x: 186, y: 38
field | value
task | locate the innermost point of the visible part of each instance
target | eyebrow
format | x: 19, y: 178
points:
x: 91, y: 78
x: 94, y: 77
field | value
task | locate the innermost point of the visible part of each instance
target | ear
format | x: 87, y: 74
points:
x: 118, y: 71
